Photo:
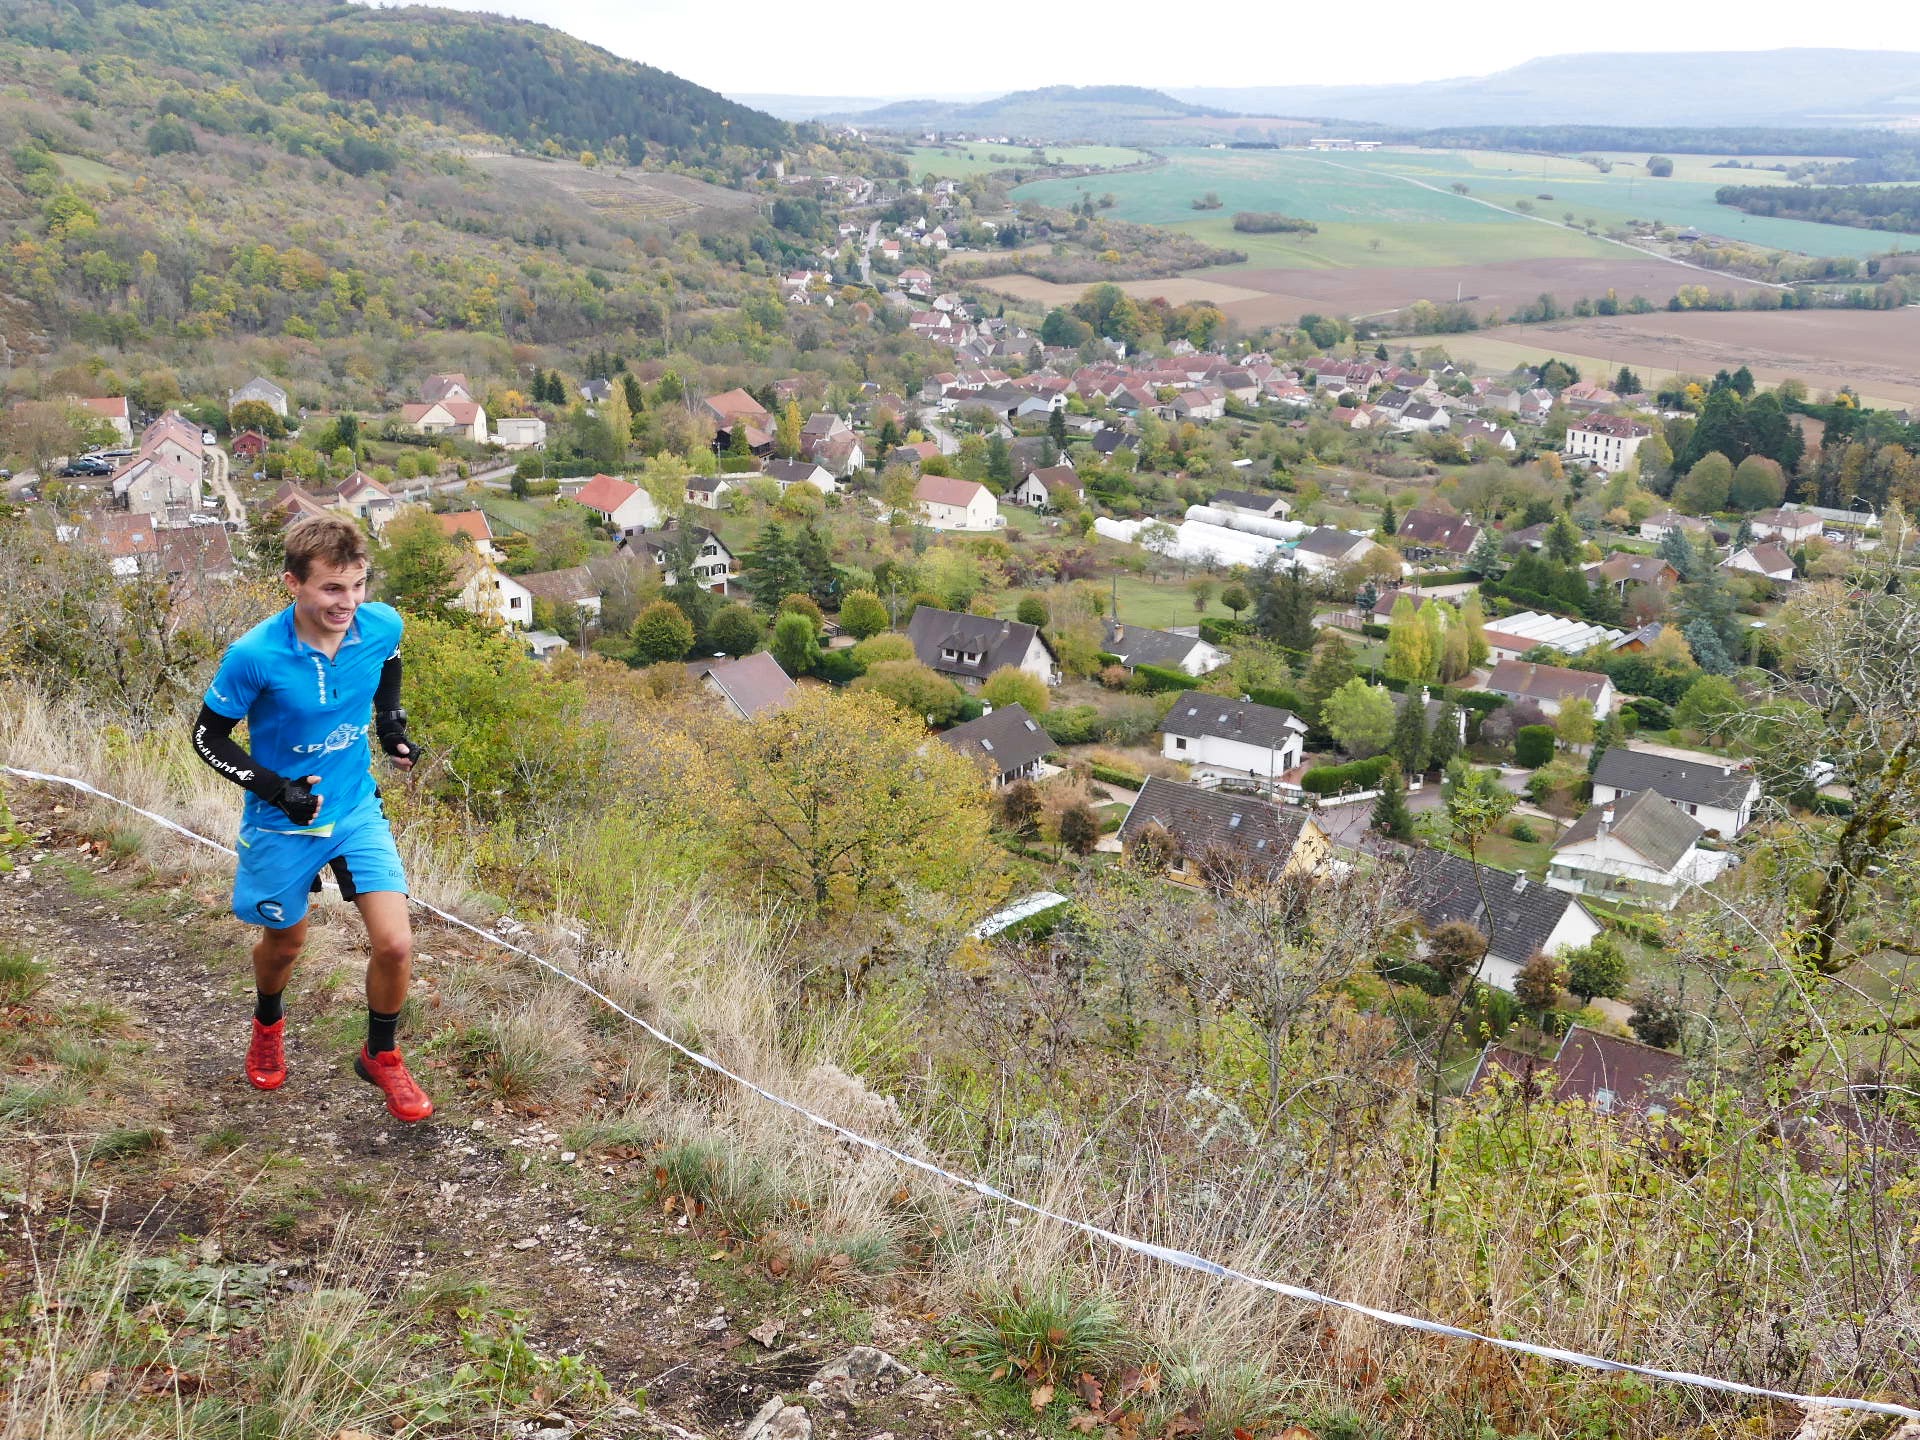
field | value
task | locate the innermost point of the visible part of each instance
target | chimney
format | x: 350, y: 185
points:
x: 1606, y: 818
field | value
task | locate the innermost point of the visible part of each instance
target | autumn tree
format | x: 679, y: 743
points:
x: 786, y: 436
x: 862, y: 614
x: 1010, y: 685
x: 914, y: 688
x: 795, y: 644
x: 837, y: 799
x: 662, y: 632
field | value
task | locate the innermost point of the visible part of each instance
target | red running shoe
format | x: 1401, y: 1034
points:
x: 405, y: 1100
x: 267, y: 1055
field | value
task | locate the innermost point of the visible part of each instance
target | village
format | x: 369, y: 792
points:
x: 1402, y: 577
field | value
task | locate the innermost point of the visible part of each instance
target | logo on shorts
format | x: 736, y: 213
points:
x: 273, y: 910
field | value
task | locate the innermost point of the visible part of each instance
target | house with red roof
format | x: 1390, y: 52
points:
x: 949, y: 503
x: 456, y: 419
x: 113, y: 410
x: 470, y: 527
x: 623, y: 507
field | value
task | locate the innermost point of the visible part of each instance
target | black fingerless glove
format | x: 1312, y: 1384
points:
x: 391, y: 728
x: 295, y: 799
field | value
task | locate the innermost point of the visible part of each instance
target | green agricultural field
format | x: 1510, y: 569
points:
x: 1398, y: 207
x: 1159, y: 605
x: 958, y: 162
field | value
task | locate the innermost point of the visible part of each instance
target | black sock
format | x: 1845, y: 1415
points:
x: 380, y: 1030
x: 266, y: 1008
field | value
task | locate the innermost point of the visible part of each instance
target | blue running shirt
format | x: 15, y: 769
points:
x: 307, y: 714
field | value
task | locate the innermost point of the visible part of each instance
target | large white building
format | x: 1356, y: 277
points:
x: 1608, y: 442
x: 1233, y: 738
x: 947, y: 503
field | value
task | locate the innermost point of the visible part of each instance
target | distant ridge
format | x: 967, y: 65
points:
x: 1080, y: 109
x: 1767, y: 87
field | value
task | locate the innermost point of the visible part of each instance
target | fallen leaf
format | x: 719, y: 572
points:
x: 1041, y: 1397
x: 1088, y: 1389
x: 767, y: 1332
x: 718, y: 1255
x: 96, y: 1382
x: 1084, y: 1423
x: 1241, y: 1433
x: 354, y: 1435
x: 1296, y: 1432
x: 900, y: 1196
x: 779, y: 1265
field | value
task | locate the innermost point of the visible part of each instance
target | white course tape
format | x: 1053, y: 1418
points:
x: 1181, y: 1259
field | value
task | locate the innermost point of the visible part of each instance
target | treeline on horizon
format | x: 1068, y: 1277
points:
x: 1865, y: 207
x: 1858, y: 145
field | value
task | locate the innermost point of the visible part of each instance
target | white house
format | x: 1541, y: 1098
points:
x: 460, y: 419
x: 1252, y: 502
x: 262, y: 389
x: 1137, y: 645
x: 1052, y: 487
x: 624, y: 507
x: 708, y: 491
x: 1642, y: 850
x: 1324, y: 550
x: 1720, y: 796
x: 1551, y: 686
x: 1233, y: 738
x: 1765, y: 559
x: 486, y: 591
x: 521, y: 432
x: 714, y: 567
x: 365, y: 498
x: 947, y: 503
x: 1788, y: 527
x: 1519, y: 917
x: 1608, y: 442
x: 789, y: 473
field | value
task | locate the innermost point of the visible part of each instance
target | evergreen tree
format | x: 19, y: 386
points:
x: 1708, y: 652
x: 1332, y: 667
x: 1443, y: 741
x: 1409, y: 744
x: 1603, y: 603
x: 1391, y: 817
x: 739, y: 450
x: 1487, y: 559
x: 1286, y: 609
x: 1564, y: 544
x: 822, y: 576
x: 1389, y: 522
x: 999, y: 464
x: 771, y: 571
x: 1057, y: 428
x: 636, y: 394
x: 1677, y: 552
x: 1610, y: 733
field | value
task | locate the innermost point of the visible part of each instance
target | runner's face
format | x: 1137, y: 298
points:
x: 329, y: 595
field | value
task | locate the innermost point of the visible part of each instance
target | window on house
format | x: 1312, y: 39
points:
x: 1179, y: 742
x: 1603, y: 1101
x: 513, y: 602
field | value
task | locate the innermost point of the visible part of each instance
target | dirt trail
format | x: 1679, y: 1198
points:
x: 479, y: 1192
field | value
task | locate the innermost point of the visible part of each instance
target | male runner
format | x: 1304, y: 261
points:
x: 306, y: 681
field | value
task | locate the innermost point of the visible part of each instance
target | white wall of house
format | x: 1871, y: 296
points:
x: 500, y: 597
x: 1609, y: 452
x: 1238, y: 756
x: 1604, y: 866
x: 979, y: 513
x: 522, y: 432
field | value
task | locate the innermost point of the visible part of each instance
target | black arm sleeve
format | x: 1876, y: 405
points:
x: 213, y: 742
x: 386, y: 695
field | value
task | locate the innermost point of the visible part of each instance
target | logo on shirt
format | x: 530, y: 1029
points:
x: 341, y: 737
x: 273, y: 910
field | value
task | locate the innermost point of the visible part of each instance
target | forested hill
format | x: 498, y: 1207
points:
x: 525, y: 82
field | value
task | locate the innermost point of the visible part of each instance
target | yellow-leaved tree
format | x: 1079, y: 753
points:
x: 843, y: 801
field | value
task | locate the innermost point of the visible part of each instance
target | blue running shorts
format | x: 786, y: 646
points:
x: 277, y: 870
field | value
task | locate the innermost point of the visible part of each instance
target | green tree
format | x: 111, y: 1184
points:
x: 1443, y: 741
x: 1389, y: 522
x: 1758, y: 484
x: 771, y: 571
x: 1409, y: 744
x: 815, y: 559
x: 256, y: 415
x: 1564, y: 545
x: 1574, y: 724
x: 1597, y: 969
x: 662, y: 632
x: 735, y: 630
x: 1285, y: 607
x: 796, y: 643
x: 1236, y: 598
x: 915, y: 688
x: 1360, y: 717
x: 1410, y: 654
x: 419, y: 565
x: 1390, y: 814
x: 1487, y: 559
x: 1706, y: 486
x: 1710, y: 706
x: 1533, y: 746
x: 1332, y: 667
x: 1473, y: 621
x: 1057, y: 429
x: 1010, y: 685
x: 862, y: 614
x: 1032, y: 611
x: 1539, y: 982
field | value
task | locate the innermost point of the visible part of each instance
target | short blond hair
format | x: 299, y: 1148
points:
x: 327, y: 539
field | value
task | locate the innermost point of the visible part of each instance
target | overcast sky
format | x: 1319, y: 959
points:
x: 935, y: 51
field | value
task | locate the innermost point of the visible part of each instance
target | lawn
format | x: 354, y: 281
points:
x: 1501, y: 851
x: 1159, y: 605
x: 525, y: 516
x: 958, y: 162
x: 87, y: 172
x: 1371, y: 214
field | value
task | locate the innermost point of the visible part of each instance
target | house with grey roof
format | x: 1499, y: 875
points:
x: 1643, y: 850
x: 1551, y: 686
x: 1324, y: 550
x: 969, y: 648
x: 1519, y: 917
x: 1717, y: 793
x: 1233, y: 739
x: 1136, y: 645
x: 1208, y: 832
x: 1008, y: 742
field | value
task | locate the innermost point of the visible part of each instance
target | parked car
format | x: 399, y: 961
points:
x: 86, y: 465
